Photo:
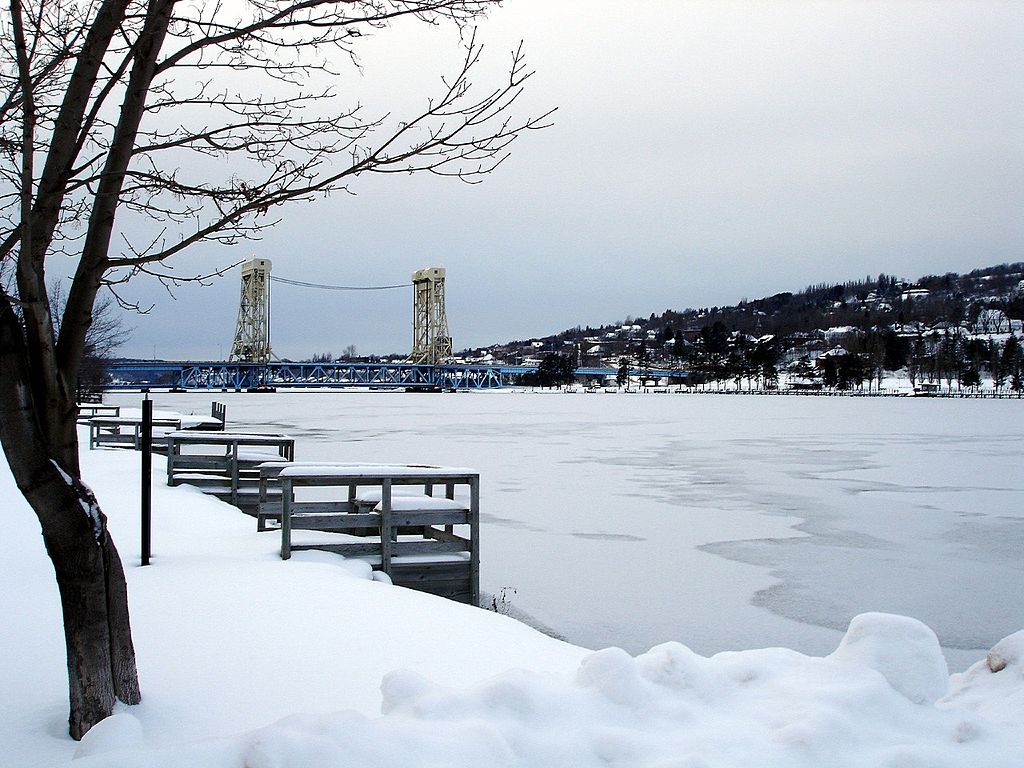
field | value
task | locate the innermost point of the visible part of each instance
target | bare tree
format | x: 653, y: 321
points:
x: 104, y: 106
x: 108, y: 332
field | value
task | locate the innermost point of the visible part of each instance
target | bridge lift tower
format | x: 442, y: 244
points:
x: 252, y: 331
x: 431, y: 343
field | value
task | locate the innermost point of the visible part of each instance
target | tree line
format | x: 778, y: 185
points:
x: 719, y: 356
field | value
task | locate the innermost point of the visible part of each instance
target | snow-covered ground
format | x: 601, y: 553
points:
x: 619, y: 520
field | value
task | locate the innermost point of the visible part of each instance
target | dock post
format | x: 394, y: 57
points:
x: 147, y: 478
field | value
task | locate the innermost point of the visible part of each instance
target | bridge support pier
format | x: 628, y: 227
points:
x: 252, y: 331
x: 431, y: 343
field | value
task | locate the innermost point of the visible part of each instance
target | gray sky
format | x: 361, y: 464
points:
x: 702, y: 152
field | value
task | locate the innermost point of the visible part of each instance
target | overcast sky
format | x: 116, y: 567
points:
x: 702, y: 152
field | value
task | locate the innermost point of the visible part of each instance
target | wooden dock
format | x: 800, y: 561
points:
x: 391, y: 517
x: 418, y: 524
x: 225, y: 464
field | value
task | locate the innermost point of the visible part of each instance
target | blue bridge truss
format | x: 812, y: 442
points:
x: 254, y: 376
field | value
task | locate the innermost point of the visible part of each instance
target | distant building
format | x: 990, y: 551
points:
x: 838, y: 332
x: 912, y: 294
x: 992, y: 321
x: 837, y: 351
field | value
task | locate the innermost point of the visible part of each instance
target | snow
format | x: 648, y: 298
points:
x: 229, y: 637
x: 422, y: 502
x: 132, y: 415
x: 247, y: 660
x: 86, y: 500
x: 371, y: 470
x: 227, y: 436
x: 669, y: 706
x: 903, y: 650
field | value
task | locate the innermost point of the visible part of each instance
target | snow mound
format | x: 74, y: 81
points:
x: 119, y: 731
x: 871, y: 703
x: 902, y: 649
x: 1006, y: 653
x: 994, y: 686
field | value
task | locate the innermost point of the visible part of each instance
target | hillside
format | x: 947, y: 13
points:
x: 939, y: 327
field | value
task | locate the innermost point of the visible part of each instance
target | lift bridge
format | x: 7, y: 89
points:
x: 431, y: 344
x: 252, y: 365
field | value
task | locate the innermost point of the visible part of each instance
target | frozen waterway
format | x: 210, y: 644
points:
x: 722, y: 522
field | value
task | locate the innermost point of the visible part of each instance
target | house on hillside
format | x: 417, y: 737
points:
x: 912, y: 294
x: 804, y: 344
x: 992, y: 321
x: 838, y: 332
x: 836, y: 351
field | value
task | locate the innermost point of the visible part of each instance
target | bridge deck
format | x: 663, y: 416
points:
x: 212, y: 375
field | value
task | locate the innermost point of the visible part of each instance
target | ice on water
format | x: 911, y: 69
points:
x: 723, y: 522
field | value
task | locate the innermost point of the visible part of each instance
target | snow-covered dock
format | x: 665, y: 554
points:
x: 390, y: 516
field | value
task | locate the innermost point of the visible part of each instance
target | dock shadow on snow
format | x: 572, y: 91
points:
x: 597, y: 536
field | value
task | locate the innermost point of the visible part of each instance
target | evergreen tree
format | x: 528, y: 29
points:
x: 995, y: 365
x: 555, y: 370
x: 641, y: 356
x: 765, y: 361
x: 947, y: 355
x: 897, y: 351
x: 622, y: 375
x: 678, y: 346
x: 918, y: 364
x: 1012, y: 363
x: 845, y: 371
x: 970, y: 378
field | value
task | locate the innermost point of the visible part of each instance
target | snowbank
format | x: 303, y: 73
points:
x: 250, y: 661
x: 862, y: 706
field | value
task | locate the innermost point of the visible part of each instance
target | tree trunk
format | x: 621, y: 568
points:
x: 90, y: 577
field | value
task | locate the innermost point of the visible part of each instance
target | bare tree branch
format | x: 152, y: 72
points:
x: 181, y: 122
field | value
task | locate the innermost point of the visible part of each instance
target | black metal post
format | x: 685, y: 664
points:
x: 147, y: 477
